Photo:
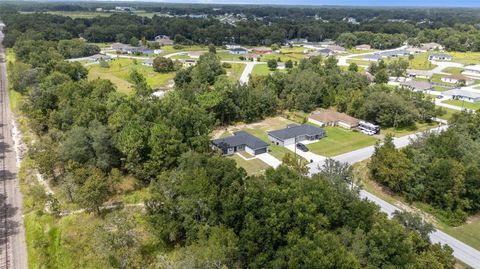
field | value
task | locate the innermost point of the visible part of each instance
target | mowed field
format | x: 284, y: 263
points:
x: 119, y: 71
x: 340, y: 140
x: 465, y: 104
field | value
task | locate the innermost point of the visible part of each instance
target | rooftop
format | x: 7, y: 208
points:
x: 417, y: 85
x: 238, y: 139
x: 295, y: 130
x: 330, y: 115
x: 462, y: 92
x: 473, y: 67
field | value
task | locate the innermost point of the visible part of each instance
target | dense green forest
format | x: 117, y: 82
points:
x: 203, y: 211
x: 442, y: 169
x: 454, y: 32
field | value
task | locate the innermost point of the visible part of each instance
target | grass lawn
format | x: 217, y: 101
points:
x: 420, y: 62
x: 465, y: 104
x: 439, y: 89
x: 253, y: 167
x: 449, y: 113
x: 359, y: 62
x: 294, y: 49
x: 9, y: 56
x: 171, y: 49
x: 399, y: 132
x: 226, y: 56
x: 235, y: 72
x: 119, y: 72
x: 466, y: 58
x: 453, y: 70
x: 356, y: 51
x: 339, y: 141
x: 294, y: 57
x: 260, y: 70
x: 468, y: 233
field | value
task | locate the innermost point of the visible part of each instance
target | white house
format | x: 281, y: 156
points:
x: 440, y: 57
x: 458, y: 79
x: 473, y: 70
x: 464, y: 94
x: 238, y: 51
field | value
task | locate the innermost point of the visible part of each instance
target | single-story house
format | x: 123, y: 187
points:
x: 431, y: 46
x: 457, y: 79
x: 163, y: 40
x: 241, y: 141
x: 414, y: 50
x: 468, y: 95
x: 416, y: 85
x: 336, y: 49
x: 188, y: 62
x: 238, y: 51
x: 295, y: 133
x: 262, y: 50
x: 363, y: 47
x: 414, y: 73
x: 333, y: 118
x: 232, y: 46
x: 322, y: 52
x: 148, y: 62
x: 195, y: 54
x: 440, y: 57
x: 99, y: 57
x: 297, y: 41
x: 158, y: 51
x: 472, y: 70
x: 121, y: 47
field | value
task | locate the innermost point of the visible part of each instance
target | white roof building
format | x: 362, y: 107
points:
x: 466, y: 94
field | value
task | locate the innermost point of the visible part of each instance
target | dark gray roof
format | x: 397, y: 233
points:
x: 440, y: 55
x: 296, y: 130
x: 238, y: 49
x: 240, y: 138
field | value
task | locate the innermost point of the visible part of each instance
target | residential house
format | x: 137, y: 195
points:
x: 164, y: 40
x: 295, y: 133
x: 321, y: 52
x: 439, y: 57
x: 188, y: 62
x: 336, y: 49
x: 473, y: 70
x: 414, y: 73
x: 414, y: 50
x: 333, y: 118
x: 297, y: 41
x: 262, y: 50
x: 232, y: 46
x: 238, y: 51
x: 158, y: 51
x: 121, y: 47
x: 458, y: 79
x: 417, y: 85
x: 431, y: 46
x: 99, y: 57
x: 148, y: 62
x: 240, y: 141
x: 195, y: 54
x: 465, y: 94
x: 363, y: 47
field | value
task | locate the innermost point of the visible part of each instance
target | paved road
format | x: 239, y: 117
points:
x: 13, y: 251
x: 342, y: 60
x: 461, y: 251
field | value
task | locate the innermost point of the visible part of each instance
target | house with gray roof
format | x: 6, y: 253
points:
x: 295, y: 133
x: 440, y: 57
x: 99, y: 57
x: 240, y: 141
x: 417, y: 85
x: 465, y: 94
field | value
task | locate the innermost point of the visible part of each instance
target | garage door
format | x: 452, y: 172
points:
x: 260, y: 151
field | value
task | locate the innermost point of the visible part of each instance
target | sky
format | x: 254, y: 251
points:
x: 431, y: 3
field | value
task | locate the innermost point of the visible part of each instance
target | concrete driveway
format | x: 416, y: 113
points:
x: 310, y: 156
x: 269, y: 159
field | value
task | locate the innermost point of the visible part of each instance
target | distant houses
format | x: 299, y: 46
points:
x: 333, y: 118
x: 127, y: 49
x: 295, y: 133
x: 336, y: 48
x: 241, y: 141
x: 439, y: 57
x: 431, y: 46
x: 321, y: 52
x: 386, y: 54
